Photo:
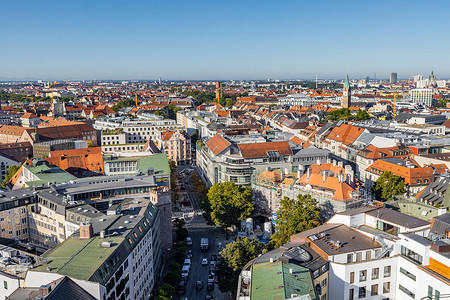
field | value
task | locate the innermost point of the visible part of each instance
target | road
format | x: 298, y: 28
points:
x: 198, y: 229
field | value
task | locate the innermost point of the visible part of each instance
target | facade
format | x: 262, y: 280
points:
x: 221, y: 160
x: 393, y: 78
x: 17, y: 151
x: 378, y: 253
x: 422, y: 96
x: 176, y: 145
x: 5, y: 163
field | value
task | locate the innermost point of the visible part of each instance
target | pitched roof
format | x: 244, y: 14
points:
x: 217, y: 144
x: 346, y: 134
x: 13, y: 130
x: 256, y: 150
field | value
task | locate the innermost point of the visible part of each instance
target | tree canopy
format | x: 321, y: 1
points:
x: 123, y: 103
x: 9, y: 174
x: 388, y: 185
x: 233, y: 258
x: 293, y: 216
x: 227, y: 203
x: 346, y: 114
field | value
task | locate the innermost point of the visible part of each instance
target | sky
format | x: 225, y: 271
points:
x: 221, y: 40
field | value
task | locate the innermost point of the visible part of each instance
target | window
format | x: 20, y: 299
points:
x: 352, y: 277
x: 375, y: 272
x: 437, y: 295
x: 386, y: 287
x: 5, y: 285
x: 409, y: 274
x: 387, y: 271
x: 412, y: 255
x: 362, y: 292
x: 368, y: 255
x: 406, y: 291
x: 362, y: 275
x: 374, y: 290
x: 351, y: 294
x: 358, y: 256
x: 324, y: 283
x: 349, y: 258
x: 430, y: 292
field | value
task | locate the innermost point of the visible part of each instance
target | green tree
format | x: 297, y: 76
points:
x: 233, y: 258
x: 362, y: 115
x: 174, y: 267
x: 293, y: 216
x: 442, y: 103
x: 228, y: 203
x: 123, y: 103
x: 388, y: 185
x: 346, y: 115
x: 172, y: 278
x: 160, y: 113
x: 9, y: 174
x: 166, y: 290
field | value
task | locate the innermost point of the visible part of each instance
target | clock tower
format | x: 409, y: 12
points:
x: 346, y: 94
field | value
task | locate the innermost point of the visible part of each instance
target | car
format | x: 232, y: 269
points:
x: 182, y: 287
x: 199, y: 285
x: 212, y: 271
x: 185, y: 271
x: 204, y: 262
x: 210, y: 286
x: 209, y: 297
x: 188, y: 241
x: 219, y: 246
x: 213, y: 257
x: 212, y: 263
x: 189, y: 254
x: 211, y: 278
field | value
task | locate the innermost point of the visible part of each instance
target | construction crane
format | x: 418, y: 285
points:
x: 51, y: 88
x: 135, y: 98
x: 394, y: 106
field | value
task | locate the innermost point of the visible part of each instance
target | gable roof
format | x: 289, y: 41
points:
x: 256, y: 150
x: 346, y: 134
x: 217, y: 144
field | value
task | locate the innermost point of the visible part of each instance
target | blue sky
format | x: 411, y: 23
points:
x: 223, y: 39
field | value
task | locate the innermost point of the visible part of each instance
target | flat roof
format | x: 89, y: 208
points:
x: 398, y: 218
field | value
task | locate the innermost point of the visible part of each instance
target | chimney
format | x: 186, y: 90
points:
x: 102, y: 234
x: 309, y: 172
x: 299, y: 173
x: 318, y: 161
x: 328, y: 160
x: 325, y: 175
x: 442, y: 210
x: 340, y: 177
x: 44, y: 290
x: 334, y: 162
x: 290, y: 271
x: 341, y: 164
x: 86, y: 231
x: 286, y: 171
x: 271, y: 259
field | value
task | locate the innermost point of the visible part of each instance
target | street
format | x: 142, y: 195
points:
x: 198, y: 229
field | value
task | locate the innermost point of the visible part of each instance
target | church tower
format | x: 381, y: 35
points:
x: 346, y: 94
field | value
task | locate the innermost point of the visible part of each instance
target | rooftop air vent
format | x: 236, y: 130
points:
x: 121, y: 227
x: 102, y: 220
x: 126, y: 222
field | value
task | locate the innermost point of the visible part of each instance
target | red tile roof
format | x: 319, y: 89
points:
x: 255, y: 150
x: 217, y: 144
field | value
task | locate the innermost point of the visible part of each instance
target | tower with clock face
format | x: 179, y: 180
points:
x: 346, y: 94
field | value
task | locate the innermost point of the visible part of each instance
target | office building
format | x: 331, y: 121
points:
x: 393, y: 78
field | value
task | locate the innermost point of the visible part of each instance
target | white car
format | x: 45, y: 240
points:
x: 189, y: 241
x: 204, y: 262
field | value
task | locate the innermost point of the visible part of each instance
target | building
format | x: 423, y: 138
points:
x: 38, y: 172
x: 17, y: 151
x: 118, y: 254
x: 291, y: 271
x: 346, y: 94
x: 176, y: 145
x: 219, y: 87
x: 5, y: 163
x: 393, y: 78
x: 378, y: 253
x: 78, y: 162
x: 422, y: 96
x: 223, y: 159
x: 80, y: 131
x: 11, y: 134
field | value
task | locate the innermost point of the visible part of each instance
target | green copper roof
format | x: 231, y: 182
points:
x: 347, y: 82
x: 274, y: 281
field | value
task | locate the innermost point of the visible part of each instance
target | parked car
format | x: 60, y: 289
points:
x: 212, y: 271
x: 182, y: 287
x: 210, y: 286
x: 189, y: 254
x: 189, y: 241
x: 185, y: 271
x: 199, y: 285
x: 211, y: 278
x: 204, y: 262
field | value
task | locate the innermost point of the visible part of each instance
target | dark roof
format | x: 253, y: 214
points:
x: 397, y: 218
x: 356, y: 211
x: 68, y: 289
x: 349, y: 239
x: 441, y: 224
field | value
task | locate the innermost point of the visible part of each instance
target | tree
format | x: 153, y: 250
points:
x: 181, y: 232
x: 160, y: 113
x: 233, y: 258
x: 172, y: 278
x: 9, y: 174
x: 346, y: 114
x: 442, y: 103
x: 166, y: 290
x: 228, y: 203
x: 388, y: 185
x: 293, y: 216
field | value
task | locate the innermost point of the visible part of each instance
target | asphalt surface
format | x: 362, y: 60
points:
x: 197, y: 230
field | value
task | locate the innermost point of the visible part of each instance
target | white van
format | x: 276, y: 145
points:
x: 187, y: 262
x: 185, y: 271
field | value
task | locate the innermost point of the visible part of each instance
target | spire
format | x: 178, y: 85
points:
x: 347, y: 82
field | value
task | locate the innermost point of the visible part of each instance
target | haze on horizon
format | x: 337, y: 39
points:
x: 208, y: 40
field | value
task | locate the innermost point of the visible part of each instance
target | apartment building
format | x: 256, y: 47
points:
x: 176, y: 145
x: 224, y: 159
x: 17, y: 151
x: 117, y: 256
x: 379, y: 253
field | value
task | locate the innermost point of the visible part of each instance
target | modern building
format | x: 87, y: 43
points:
x: 393, y: 78
x: 422, y: 96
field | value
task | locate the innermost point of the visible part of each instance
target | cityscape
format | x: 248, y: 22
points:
x: 232, y: 151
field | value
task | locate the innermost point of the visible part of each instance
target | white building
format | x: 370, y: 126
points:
x: 422, y: 96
